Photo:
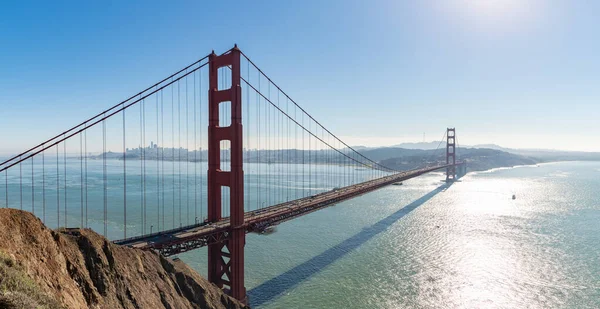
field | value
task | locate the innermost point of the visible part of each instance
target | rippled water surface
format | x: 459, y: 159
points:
x: 428, y: 245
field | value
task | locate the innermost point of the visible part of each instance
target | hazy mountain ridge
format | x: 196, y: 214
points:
x: 421, y: 145
x: 544, y: 155
x: 402, y: 156
x: 477, y: 159
x: 548, y: 154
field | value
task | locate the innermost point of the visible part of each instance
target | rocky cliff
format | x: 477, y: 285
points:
x: 42, y: 268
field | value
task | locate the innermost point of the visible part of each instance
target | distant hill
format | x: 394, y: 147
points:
x: 422, y: 145
x: 411, y: 155
x: 547, y: 154
x: 490, y: 146
x: 542, y: 155
x: 478, y: 159
x: 383, y: 153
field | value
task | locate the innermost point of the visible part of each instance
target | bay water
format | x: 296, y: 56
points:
x: 425, y: 244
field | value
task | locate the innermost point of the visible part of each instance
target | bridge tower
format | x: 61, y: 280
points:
x: 450, y: 154
x: 226, y: 259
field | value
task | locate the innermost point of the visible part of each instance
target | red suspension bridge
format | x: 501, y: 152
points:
x: 281, y: 164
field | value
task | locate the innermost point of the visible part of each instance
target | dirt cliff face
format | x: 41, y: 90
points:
x: 40, y: 267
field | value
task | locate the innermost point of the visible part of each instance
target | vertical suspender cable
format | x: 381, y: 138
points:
x: 145, y: 198
x: 57, y: 191
x: 124, y: 178
x: 173, y: 152
x: 303, y: 163
x: 269, y: 151
x: 43, y: 187
x: 179, y: 144
x: 247, y: 113
x: 156, y: 157
x: 195, y: 158
x: 162, y: 155
x: 86, y: 174
x: 281, y: 166
x: 258, y: 152
x: 104, y: 175
x: 310, y: 163
x: 187, y: 154
x: 287, y: 146
x: 141, y: 150
x: 279, y: 152
x: 32, y: 189
x: 65, y: 178
x: 81, y: 178
x: 296, y: 161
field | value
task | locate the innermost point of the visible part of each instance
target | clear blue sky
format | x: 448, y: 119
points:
x: 519, y: 73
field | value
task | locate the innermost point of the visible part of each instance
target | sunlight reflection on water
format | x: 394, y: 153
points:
x: 423, y: 245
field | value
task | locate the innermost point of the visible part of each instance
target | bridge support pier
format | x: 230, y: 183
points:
x: 450, y: 154
x: 226, y: 260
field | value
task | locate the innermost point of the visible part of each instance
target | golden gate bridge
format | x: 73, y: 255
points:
x: 257, y: 159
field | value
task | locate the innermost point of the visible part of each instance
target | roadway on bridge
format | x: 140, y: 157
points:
x: 191, y: 237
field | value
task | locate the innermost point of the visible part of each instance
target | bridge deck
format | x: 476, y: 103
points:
x: 194, y: 236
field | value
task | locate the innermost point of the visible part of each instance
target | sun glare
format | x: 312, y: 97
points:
x: 501, y: 15
x: 495, y: 7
